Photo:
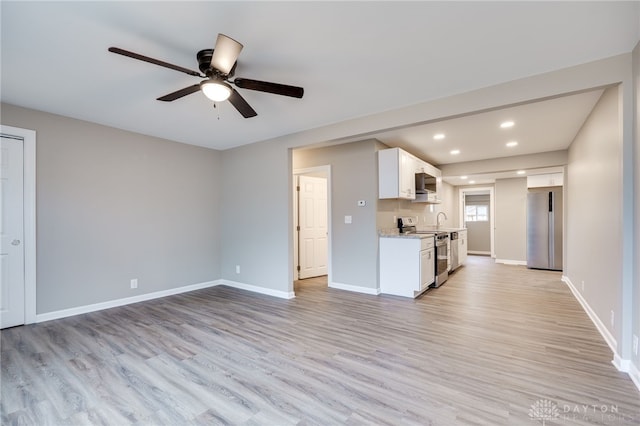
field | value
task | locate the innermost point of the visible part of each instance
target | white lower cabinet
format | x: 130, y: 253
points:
x: 407, y: 265
x: 462, y: 246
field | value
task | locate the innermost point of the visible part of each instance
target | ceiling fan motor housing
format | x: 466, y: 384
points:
x: 204, y: 63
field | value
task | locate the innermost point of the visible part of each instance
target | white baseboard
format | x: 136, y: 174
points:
x: 512, y: 262
x: 480, y: 253
x: 355, y: 288
x: 121, y: 302
x: 634, y: 373
x: 622, y: 365
x: 604, y: 332
x: 257, y: 289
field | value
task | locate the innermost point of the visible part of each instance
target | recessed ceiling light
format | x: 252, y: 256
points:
x: 521, y: 172
x: 454, y: 152
x: 506, y: 124
x: 463, y: 177
x: 472, y: 181
x: 438, y: 136
x: 512, y: 144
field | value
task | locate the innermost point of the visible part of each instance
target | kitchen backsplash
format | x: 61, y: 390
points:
x: 390, y: 210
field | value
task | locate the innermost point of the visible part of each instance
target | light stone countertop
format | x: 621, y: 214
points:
x: 435, y: 228
x: 393, y: 232
x: 383, y: 233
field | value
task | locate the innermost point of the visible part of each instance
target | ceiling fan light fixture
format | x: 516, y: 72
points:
x: 216, y: 90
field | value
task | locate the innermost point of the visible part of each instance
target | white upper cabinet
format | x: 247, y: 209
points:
x: 548, y: 179
x: 396, y: 176
x: 397, y: 170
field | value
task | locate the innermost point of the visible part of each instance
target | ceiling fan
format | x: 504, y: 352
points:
x: 218, y: 66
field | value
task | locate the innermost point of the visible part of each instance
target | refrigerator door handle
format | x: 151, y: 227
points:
x: 552, y: 232
x: 550, y: 242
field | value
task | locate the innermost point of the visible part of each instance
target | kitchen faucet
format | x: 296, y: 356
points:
x: 438, y: 218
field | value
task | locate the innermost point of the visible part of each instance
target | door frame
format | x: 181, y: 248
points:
x: 326, y: 171
x: 462, y: 192
x: 29, y: 215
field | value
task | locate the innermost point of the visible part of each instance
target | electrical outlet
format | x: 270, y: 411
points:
x: 134, y: 283
x: 237, y: 269
x: 348, y: 219
x: 613, y: 317
x: 635, y: 345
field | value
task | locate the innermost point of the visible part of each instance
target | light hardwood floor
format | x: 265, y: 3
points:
x: 489, y: 347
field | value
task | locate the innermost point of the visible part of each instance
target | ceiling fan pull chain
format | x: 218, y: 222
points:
x: 217, y: 110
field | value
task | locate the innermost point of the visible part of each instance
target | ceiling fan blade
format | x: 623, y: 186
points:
x: 180, y: 93
x: 241, y: 105
x: 153, y: 61
x: 225, y: 54
x: 265, y: 86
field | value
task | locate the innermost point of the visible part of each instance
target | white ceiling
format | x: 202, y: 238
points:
x: 542, y: 126
x: 353, y: 58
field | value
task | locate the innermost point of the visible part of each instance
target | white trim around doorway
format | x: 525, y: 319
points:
x: 326, y: 172
x: 29, y: 146
x: 461, y: 194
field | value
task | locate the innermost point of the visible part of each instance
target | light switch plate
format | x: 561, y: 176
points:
x: 347, y: 219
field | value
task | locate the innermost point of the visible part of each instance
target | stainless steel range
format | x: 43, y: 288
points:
x: 407, y: 225
x: 442, y: 258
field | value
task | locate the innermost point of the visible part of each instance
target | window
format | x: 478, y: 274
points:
x: 476, y: 213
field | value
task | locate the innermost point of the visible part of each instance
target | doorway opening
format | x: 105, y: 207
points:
x: 19, y: 237
x: 477, y: 215
x: 312, y: 224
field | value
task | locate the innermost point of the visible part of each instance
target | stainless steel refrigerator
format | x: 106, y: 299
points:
x: 544, y: 229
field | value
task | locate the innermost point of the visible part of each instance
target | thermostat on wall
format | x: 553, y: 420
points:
x: 362, y: 203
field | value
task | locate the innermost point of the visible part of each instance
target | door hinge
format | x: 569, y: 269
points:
x: 298, y: 188
x: 298, y: 268
x: 298, y: 228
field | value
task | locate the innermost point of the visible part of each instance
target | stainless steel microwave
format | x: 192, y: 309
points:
x: 425, y: 183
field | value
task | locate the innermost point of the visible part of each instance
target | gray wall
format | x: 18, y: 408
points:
x: 354, y: 177
x: 256, y: 197
x: 511, y: 219
x: 114, y: 205
x: 636, y: 144
x: 594, y: 214
x: 479, y: 233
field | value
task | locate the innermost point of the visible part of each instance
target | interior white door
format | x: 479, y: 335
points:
x: 12, y: 307
x: 312, y: 213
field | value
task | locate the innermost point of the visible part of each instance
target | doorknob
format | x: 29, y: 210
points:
x: 15, y: 242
